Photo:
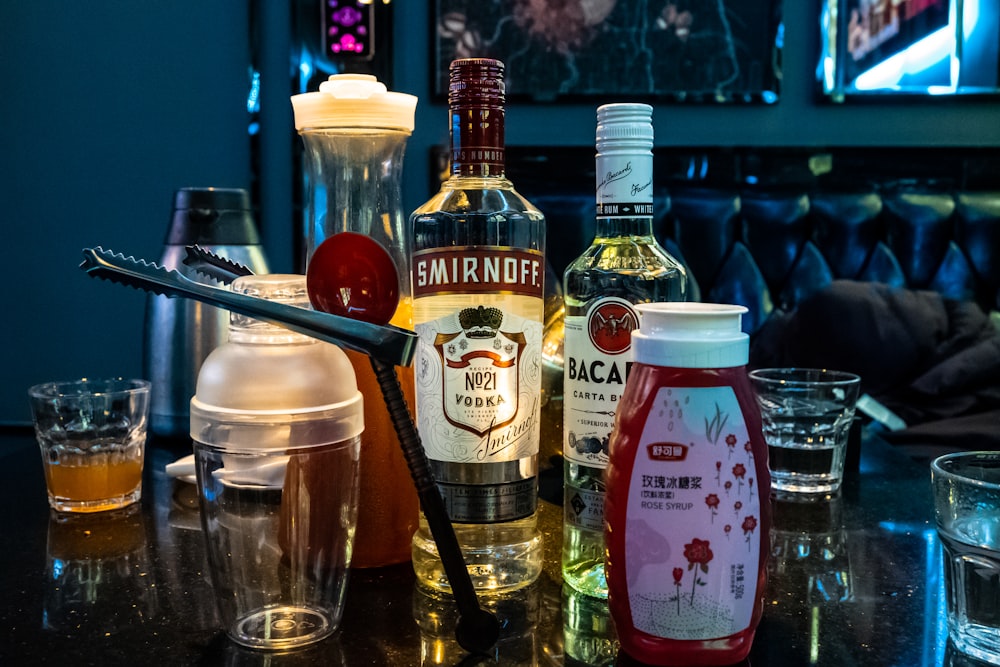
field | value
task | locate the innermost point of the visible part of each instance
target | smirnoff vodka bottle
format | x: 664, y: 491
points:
x: 478, y: 265
x: 623, y: 266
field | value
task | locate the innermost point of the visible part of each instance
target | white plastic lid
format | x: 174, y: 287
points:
x: 690, y: 335
x: 254, y: 430
x: 354, y: 101
x: 626, y: 126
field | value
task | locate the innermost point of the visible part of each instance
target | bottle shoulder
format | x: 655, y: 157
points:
x: 472, y: 195
x: 635, y: 268
x: 626, y: 253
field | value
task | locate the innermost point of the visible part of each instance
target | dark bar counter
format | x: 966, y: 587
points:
x: 853, y: 581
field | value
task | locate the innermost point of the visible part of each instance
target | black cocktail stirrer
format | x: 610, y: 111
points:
x: 477, y: 629
x: 351, y: 275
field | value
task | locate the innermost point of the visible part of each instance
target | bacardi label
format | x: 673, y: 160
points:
x: 597, y: 353
x: 624, y: 186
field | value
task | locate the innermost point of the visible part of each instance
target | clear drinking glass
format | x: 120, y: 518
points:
x: 966, y: 489
x: 807, y: 415
x: 92, y: 435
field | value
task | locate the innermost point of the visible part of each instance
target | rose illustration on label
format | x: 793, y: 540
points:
x: 678, y: 575
x: 698, y: 555
x: 749, y: 525
x: 739, y: 472
x: 480, y: 382
x: 610, y: 326
x: 712, y: 500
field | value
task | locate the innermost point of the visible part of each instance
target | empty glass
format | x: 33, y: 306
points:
x: 966, y: 489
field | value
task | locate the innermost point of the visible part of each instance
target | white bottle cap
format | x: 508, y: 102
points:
x: 354, y: 101
x: 624, y: 127
x: 690, y: 335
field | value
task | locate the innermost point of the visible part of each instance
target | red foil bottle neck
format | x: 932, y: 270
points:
x: 476, y: 103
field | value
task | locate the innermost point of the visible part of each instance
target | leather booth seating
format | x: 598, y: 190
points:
x: 774, y: 231
x: 768, y: 239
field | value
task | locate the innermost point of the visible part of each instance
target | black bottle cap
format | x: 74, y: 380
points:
x: 212, y: 217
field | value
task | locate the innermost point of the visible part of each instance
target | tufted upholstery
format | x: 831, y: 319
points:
x: 766, y: 229
x: 770, y: 250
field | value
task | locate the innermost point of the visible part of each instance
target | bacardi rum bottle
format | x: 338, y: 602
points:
x: 478, y: 265
x: 623, y: 266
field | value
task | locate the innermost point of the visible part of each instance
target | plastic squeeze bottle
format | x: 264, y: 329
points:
x: 687, y: 507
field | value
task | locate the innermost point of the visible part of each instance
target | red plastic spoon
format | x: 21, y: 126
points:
x: 353, y: 276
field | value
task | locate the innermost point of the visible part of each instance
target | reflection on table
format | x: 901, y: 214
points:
x: 854, y: 580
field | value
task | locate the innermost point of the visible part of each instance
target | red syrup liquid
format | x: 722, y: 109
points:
x: 649, y: 623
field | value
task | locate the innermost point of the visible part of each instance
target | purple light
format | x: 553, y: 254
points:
x: 348, y: 43
x: 347, y: 16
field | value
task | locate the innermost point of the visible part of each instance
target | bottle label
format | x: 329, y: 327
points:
x: 478, y: 270
x: 583, y: 508
x: 597, y: 350
x: 478, y: 366
x: 479, y: 357
x: 624, y: 185
x: 692, y: 539
x: 489, y: 503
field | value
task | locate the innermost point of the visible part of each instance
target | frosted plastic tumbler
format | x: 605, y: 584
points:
x: 967, y: 509
x: 92, y: 435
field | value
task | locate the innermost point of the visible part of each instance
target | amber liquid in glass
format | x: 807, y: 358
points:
x: 94, y: 482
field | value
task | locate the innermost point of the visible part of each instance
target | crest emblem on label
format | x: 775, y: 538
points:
x: 480, y: 379
x: 610, y: 325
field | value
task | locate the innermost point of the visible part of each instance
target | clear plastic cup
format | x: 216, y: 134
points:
x: 279, y: 526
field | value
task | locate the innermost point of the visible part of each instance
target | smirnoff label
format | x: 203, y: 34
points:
x: 597, y: 353
x: 476, y: 269
x: 478, y: 360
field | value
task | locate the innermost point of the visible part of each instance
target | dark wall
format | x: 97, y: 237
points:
x: 109, y: 106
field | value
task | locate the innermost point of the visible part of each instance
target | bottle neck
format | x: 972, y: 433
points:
x: 624, y: 194
x: 477, y: 141
x: 619, y: 227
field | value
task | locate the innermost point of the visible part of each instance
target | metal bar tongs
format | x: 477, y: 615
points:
x: 387, y: 346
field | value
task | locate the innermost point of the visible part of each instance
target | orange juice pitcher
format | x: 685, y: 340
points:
x: 354, y: 132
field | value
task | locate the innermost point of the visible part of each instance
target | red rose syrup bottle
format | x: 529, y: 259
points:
x: 687, y: 506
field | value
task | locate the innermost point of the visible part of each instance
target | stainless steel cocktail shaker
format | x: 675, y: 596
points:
x: 180, y: 333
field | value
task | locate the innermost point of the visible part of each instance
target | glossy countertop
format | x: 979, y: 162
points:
x: 855, y: 580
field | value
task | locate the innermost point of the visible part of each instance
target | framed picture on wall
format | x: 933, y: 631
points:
x: 706, y: 51
x: 877, y: 48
